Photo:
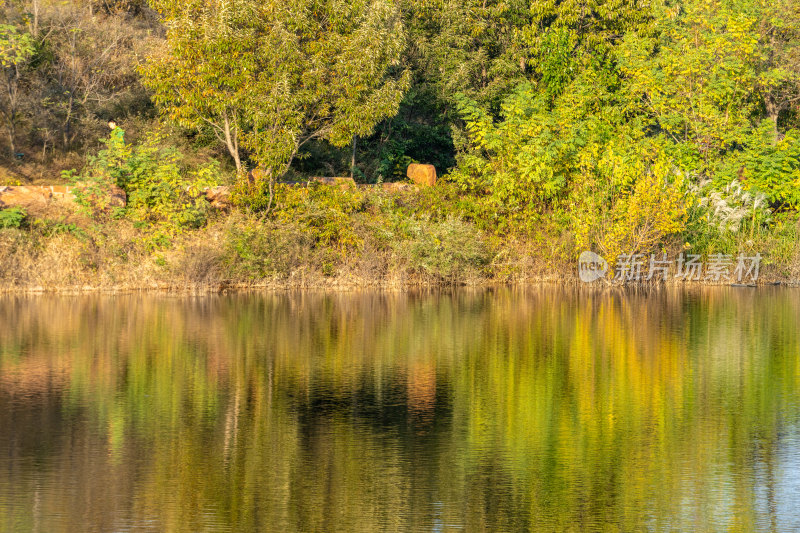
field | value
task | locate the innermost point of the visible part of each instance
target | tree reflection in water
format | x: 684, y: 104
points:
x: 497, y: 410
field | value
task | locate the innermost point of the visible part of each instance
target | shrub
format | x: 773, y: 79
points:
x: 256, y: 250
x: 629, y: 218
x: 323, y: 212
x: 13, y: 217
x: 163, y: 195
x: 448, y: 251
x: 160, y: 191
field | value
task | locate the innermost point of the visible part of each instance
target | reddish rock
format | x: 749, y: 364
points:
x: 24, y: 195
x: 219, y: 197
x: 422, y: 175
x: 35, y: 195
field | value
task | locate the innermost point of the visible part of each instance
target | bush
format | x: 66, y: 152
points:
x: 161, y: 191
x: 163, y: 195
x: 629, y: 218
x: 12, y: 218
x: 256, y: 250
x: 450, y: 251
x: 323, y: 212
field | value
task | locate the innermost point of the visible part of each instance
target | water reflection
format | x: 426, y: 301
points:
x: 504, y: 410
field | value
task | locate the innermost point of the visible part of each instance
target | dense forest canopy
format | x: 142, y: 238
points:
x: 616, y: 125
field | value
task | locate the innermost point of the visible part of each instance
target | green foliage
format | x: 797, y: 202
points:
x: 15, y: 47
x: 525, y: 164
x: 768, y: 168
x: 93, y: 191
x: 310, y: 226
x: 468, y: 46
x: 161, y: 192
x: 635, y: 218
x: 419, y: 133
x: 450, y: 250
x: 616, y: 128
x: 256, y: 250
x: 268, y: 77
x: 12, y: 217
x: 320, y: 228
x: 325, y: 213
x: 694, y: 78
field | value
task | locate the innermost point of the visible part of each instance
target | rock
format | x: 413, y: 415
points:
x: 422, y: 175
x: 38, y: 195
x: 24, y: 195
x: 342, y: 183
x: 219, y: 197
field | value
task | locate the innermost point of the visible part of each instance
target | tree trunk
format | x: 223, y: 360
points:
x: 35, y: 22
x: 773, y: 111
x: 232, y: 142
x: 10, y: 114
x: 11, y: 145
x: 66, y: 129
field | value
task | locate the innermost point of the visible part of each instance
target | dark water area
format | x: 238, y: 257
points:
x: 537, y: 409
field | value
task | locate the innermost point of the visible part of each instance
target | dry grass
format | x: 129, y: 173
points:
x: 59, y: 250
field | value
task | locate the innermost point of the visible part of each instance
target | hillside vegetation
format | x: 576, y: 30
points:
x: 618, y: 126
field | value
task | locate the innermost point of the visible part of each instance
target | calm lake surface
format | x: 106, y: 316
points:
x: 533, y: 409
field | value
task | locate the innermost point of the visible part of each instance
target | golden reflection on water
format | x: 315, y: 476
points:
x: 500, y: 410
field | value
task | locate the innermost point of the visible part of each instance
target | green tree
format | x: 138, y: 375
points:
x: 695, y: 79
x: 484, y: 49
x: 717, y: 79
x: 268, y: 77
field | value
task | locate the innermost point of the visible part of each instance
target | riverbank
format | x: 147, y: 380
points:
x: 173, y: 236
x: 394, y: 249
x: 241, y: 252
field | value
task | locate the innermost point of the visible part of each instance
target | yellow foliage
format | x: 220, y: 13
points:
x: 637, y: 221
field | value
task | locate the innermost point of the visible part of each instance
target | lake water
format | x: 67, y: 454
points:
x: 533, y: 409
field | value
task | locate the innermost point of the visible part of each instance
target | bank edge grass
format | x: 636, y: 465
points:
x: 337, y: 232
x: 323, y: 236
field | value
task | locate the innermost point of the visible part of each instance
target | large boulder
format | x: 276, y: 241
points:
x: 422, y: 175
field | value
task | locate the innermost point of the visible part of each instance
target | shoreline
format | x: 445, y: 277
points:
x: 385, y: 244
x: 335, y: 285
